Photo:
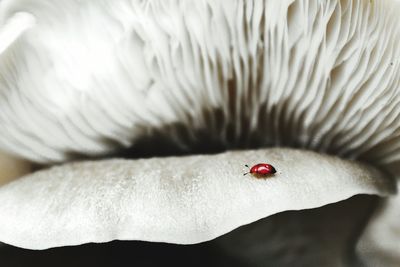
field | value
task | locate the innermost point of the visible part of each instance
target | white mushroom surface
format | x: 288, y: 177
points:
x: 81, y: 79
x: 178, y: 199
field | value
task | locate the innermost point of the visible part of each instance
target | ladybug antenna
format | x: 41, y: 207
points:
x: 247, y: 167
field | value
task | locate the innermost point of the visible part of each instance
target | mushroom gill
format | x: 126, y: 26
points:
x: 319, y: 75
x: 90, y: 78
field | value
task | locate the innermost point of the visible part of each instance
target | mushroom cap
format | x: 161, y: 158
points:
x: 182, y: 200
x: 92, y: 77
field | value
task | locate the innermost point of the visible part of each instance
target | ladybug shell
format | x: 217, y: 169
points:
x: 262, y: 169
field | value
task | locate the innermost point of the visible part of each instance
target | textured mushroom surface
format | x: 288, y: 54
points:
x: 177, y: 200
x: 89, y: 78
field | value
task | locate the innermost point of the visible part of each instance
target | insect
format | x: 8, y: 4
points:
x: 261, y: 170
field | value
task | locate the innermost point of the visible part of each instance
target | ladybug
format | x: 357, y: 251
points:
x: 261, y: 170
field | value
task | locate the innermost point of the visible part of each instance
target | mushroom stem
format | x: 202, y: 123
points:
x: 12, y: 168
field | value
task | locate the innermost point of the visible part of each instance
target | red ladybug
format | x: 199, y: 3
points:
x: 261, y: 169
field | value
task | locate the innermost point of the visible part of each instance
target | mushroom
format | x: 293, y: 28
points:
x: 310, y: 86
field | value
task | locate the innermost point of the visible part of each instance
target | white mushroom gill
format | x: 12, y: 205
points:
x: 321, y: 75
x: 91, y: 77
